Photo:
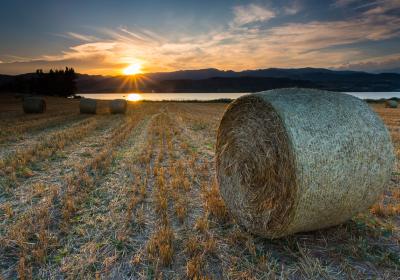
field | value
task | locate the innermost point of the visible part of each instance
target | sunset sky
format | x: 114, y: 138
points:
x: 105, y: 37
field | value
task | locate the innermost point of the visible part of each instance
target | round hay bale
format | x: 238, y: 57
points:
x: 118, y: 106
x: 88, y: 106
x: 34, y: 104
x: 391, y: 103
x: 294, y: 160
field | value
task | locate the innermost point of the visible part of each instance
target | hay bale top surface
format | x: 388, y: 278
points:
x: 291, y: 160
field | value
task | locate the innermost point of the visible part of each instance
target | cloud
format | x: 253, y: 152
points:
x: 344, y: 3
x: 376, y: 64
x: 251, y: 13
x: 383, y: 7
x: 86, y: 38
x: 78, y: 36
x: 370, y: 4
x: 293, y: 8
x: 237, y: 46
x: 94, y: 64
x: 316, y: 35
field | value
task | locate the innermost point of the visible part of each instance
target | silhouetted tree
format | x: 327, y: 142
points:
x: 56, y: 82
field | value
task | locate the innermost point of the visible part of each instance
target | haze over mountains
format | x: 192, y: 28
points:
x: 214, y: 80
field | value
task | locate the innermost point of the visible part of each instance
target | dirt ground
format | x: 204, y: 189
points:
x: 134, y: 197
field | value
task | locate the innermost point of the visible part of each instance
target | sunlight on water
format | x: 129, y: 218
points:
x: 161, y: 96
x: 134, y: 97
x: 210, y: 96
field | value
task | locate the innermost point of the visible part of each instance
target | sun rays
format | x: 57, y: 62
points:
x: 134, y: 83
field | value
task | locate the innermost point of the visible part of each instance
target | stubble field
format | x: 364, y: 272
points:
x: 134, y: 197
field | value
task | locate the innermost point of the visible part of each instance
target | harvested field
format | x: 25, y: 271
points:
x: 134, y: 196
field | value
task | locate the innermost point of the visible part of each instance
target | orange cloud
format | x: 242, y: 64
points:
x: 241, y: 44
x: 251, y: 13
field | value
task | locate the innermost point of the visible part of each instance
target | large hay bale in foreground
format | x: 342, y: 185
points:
x: 88, y: 106
x: 391, y: 103
x: 118, y: 106
x: 293, y: 160
x: 34, y: 105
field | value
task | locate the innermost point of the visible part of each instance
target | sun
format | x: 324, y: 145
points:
x: 133, y: 69
x: 134, y: 97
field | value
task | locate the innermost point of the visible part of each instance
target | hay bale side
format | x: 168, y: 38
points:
x: 118, y: 106
x: 293, y: 160
x: 391, y: 103
x: 88, y: 106
x: 33, y: 105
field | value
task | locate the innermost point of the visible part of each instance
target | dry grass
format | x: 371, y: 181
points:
x: 140, y: 201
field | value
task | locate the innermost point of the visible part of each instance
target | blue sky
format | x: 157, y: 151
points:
x: 103, y: 37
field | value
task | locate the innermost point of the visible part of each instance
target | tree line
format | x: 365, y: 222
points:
x: 54, y: 83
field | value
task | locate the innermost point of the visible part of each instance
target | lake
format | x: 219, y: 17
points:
x: 210, y: 96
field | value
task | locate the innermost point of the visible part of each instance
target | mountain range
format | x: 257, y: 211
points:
x: 214, y: 80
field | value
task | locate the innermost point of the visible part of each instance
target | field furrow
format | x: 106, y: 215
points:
x: 51, y: 219
x: 53, y: 170
x: 135, y: 197
x: 97, y: 231
x: 16, y: 164
x: 28, y: 129
x: 12, y: 143
x: 167, y: 218
x: 19, y: 118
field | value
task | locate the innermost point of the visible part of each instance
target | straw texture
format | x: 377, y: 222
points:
x: 88, y: 106
x: 293, y: 160
x: 118, y: 106
x: 32, y: 105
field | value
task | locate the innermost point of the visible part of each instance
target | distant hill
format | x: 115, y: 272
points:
x: 4, y: 79
x: 225, y: 84
x: 391, y: 70
x: 214, y: 80
x: 205, y: 80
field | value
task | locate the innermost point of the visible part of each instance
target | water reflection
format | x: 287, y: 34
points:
x: 209, y: 96
x: 161, y: 96
x: 134, y: 97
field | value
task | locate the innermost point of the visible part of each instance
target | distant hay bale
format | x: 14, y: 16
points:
x: 34, y: 105
x: 391, y: 103
x: 294, y: 160
x: 88, y: 106
x: 118, y: 106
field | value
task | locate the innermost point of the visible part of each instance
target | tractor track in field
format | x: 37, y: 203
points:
x: 18, y: 165
x: 198, y: 158
x: 99, y: 234
x: 174, y: 157
x: 114, y: 177
x: 34, y: 137
x: 22, y: 131
x: 52, y: 171
x: 58, y: 199
x: 102, y: 213
x: 134, y: 232
x: 11, y: 119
